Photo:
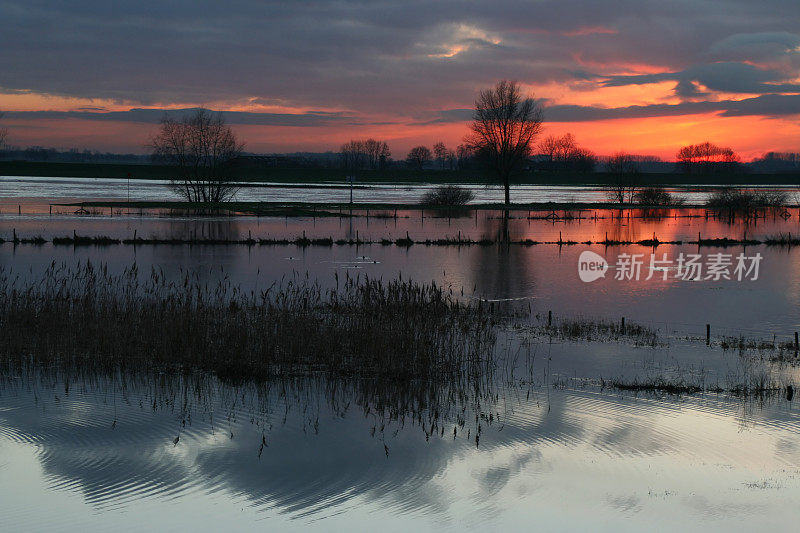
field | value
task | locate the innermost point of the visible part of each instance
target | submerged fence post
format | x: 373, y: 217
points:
x: 708, y: 334
x: 549, y: 318
x: 796, y: 344
x: 622, y: 327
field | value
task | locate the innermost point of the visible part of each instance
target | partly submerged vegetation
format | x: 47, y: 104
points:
x: 447, y: 195
x: 362, y: 328
x: 744, y: 200
x: 459, y: 239
x: 656, y: 196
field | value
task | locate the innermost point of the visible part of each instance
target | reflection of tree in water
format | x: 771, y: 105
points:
x: 205, y: 228
x: 301, y: 444
x: 502, y: 270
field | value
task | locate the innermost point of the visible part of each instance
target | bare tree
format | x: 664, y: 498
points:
x: 353, y: 154
x: 504, y: 126
x: 3, y: 134
x: 203, y: 149
x: 360, y: 154
x: 378, y: 153
x: 440, y: 153
x: 706, y: 157
x: 450, y: 159
x: 563, y: 153
x: 419, y: 156
x: 549, y: 146
x: 464, y: 154
x: 623, y: 177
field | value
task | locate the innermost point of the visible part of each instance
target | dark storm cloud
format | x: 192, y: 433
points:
x: 723, y: 76
x: 773, y: 105
x: 154, y: 116
x: 386, y: 57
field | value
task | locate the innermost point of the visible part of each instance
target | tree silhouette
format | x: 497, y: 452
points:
x: 203, y: 150
x: 3, y: 134
x: 504, y: 125
x: 419, y: 156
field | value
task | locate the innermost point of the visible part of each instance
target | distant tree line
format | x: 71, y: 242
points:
x: 560, y: 154
x: 441, y: 157
x: 72, y: 155
x: 368, y: 154
x: 777, y: 162
x: 3, y: 134
x: 706, y: 158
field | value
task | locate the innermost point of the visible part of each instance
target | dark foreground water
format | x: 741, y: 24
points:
x: 130, y: 454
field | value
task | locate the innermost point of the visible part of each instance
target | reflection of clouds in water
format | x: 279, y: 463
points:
x: 125, y: 451
x: 625, y: 504
x: 114, y: 446
x: 494, y: 478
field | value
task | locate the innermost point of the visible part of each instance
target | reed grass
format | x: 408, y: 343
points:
x: 599, y: 330
x: 783, y: 239
x: 362, y: 328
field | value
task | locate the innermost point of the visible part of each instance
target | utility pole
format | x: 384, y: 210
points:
x: 351, y: 179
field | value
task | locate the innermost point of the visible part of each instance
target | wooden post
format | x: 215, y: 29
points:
x: 708, y: 334
x: 549, y: 318
x: 623, y: 325
x: 19, y: 209
x: 796, y: 344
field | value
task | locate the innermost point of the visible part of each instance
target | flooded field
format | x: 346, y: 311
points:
x: 615, y: 403
x: 40, y: 191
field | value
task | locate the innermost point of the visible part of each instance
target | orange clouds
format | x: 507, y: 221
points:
x: 750, y: 136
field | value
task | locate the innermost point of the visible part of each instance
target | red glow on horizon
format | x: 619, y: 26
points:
x: 749, y: 136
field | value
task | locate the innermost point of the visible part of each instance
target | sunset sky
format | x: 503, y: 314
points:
x: 637, y: 75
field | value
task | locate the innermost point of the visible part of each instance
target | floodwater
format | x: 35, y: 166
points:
x: 102, y: 454
x: 45, y: 190
x: 544, y: 275
x: 556, y: 448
